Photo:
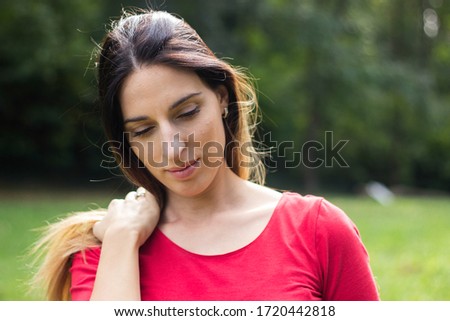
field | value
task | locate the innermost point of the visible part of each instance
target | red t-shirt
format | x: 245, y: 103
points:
x: 309, y: 250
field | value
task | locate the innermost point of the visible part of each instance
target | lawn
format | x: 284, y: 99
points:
x: 407, y: 241
x: 20, y: 215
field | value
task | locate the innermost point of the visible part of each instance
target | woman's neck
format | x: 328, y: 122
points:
x: 222, y: 195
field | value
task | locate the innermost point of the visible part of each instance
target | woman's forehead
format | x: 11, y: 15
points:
x: 157, y: 86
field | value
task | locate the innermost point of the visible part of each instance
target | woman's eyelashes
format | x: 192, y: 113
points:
x: 189, y: 113
x: 186, y: 115
x: 142, y: 131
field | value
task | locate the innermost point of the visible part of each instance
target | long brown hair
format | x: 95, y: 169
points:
x: 135, y: 40
x: 155, y: 37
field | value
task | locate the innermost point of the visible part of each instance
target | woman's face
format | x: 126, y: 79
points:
x: 173, y: 122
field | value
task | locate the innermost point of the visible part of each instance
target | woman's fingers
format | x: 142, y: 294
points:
x: 131, y: 196
x: 98, y: 231
x: 141, y: 193
x: 138, y: 212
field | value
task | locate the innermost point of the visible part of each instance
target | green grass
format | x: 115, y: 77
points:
x: 20, y: 215
x: 407, y: 241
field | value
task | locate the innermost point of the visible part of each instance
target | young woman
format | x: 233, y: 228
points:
x: 202, y: 226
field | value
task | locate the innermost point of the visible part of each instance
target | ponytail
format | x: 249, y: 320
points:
x: 53, y: 252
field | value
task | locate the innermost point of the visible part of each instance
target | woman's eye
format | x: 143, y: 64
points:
x: 142, y: 132
x: 190, y: 113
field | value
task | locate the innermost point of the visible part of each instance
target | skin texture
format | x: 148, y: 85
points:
x: 151, y: 94
x: 174, y: 124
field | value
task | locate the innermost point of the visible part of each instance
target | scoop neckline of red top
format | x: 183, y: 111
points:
x: 233, y: 252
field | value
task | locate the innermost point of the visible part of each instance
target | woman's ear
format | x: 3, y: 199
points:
x: 222, y: 96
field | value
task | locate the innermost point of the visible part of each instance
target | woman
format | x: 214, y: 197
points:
x: 202, y: 226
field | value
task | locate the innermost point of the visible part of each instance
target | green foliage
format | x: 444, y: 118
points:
x: 370, y: 71
x: 46, y: 92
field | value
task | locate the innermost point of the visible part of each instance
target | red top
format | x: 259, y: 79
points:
x: 309, y: 250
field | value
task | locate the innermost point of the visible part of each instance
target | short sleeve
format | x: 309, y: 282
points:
x: 83, y: 271
x: 344, y: 261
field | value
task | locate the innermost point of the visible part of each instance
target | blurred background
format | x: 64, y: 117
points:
x: 374, y: 73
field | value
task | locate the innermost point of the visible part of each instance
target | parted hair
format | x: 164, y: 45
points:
x: 136, y: 40
x: 158, y: 37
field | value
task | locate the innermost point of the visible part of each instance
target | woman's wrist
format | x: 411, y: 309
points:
x: 118, y: 270
x: 122, y: 237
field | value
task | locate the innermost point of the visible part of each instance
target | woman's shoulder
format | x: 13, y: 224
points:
x: 301, y: 202
x: 315, y: 209
x: 299, y: 205
x: 86, y: 256
x: 317, y: 221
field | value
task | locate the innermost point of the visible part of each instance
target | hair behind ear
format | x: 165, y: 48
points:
x: 52, y: 253
x: 223, y: 96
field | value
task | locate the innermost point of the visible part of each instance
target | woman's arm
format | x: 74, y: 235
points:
x: 347, y: 275
x: 125, y: 228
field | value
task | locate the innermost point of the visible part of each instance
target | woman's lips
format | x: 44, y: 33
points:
x: 184, y: 171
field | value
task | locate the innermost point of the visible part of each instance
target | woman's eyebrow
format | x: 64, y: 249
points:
x: 134, y: 119
x: 183, y: 99
x: 174, y: 105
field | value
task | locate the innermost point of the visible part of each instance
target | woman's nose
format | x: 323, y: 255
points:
x: 173, y: 146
